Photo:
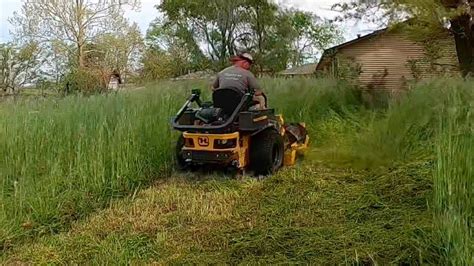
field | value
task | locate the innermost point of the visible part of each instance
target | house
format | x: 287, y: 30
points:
x: 386, y: 60
x: 304, y: 70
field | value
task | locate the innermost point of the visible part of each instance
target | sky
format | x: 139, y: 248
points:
x: 148, y: 13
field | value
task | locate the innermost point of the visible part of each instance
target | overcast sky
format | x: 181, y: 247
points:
x: 148, y: 12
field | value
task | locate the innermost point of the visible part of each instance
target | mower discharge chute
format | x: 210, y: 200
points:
x: 227, y: 132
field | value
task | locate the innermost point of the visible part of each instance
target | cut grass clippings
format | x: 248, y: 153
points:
x: 306, y: 214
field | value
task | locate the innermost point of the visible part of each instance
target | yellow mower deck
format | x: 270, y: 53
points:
x: 293, y: 151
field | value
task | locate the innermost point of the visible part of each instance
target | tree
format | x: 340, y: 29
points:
x: 18, y: 66
x: 158, y: 64
x: 285, y: 36
x: 177, y: 47
x: 261, y: 17
x: 75, y: 22
x: 218, y: 29
x: 214, y: 23
x: 309, y: 35
x: 428, y: 17
x: 115, y: 51
x: 59, y: 61
x: 264, y: 32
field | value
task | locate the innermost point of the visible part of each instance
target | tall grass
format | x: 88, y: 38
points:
x: 62, y: 159
x: 433, y: 123
x: 454, y: 178
x: 407, y: 130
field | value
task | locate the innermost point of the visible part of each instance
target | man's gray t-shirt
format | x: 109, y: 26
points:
x: 236, y: 77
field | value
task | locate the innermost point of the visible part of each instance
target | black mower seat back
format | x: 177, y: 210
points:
x: 228, y: 103
x: 227, y: 99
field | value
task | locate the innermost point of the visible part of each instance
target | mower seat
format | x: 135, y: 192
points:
x: 227, y: 99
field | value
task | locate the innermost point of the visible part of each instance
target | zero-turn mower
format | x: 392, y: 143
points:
x: 227, y: 132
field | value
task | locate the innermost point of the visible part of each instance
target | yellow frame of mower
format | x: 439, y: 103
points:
x: 239, y: 154
x: 206, y: 143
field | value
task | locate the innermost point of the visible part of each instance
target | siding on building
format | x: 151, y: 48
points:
x: 384, y: 59
x: 308, y: 69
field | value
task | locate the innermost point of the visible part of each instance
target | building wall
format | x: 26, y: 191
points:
x: 384, y: 60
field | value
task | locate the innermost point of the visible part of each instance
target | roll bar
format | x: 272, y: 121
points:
x: 195, y: 97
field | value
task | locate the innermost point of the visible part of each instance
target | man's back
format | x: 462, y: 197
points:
x: 236, y: 77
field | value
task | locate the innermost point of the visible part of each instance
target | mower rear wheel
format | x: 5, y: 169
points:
x: 266, y: 152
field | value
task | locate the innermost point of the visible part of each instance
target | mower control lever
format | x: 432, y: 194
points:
x: 195, y: 97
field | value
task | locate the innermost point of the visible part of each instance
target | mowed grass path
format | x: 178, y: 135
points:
x: 309, y: 213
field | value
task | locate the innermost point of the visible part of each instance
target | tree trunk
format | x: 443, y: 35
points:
x: 80, y: 55
x: 260, y: 30
x: 464, y: 39
x: 80, y: 33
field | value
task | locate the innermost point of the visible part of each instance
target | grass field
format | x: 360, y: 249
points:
x: 91, y: 180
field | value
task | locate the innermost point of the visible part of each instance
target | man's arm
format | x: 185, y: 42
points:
x: 254, y: 85
x: 215, y: 84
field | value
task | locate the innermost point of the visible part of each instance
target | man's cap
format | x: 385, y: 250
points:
x: 246, y: 56
x: 242, y: 56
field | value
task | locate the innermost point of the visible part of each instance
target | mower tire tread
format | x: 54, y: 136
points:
x: 266, y: 152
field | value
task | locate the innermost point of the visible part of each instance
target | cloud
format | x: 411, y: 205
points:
x: 145, y: 15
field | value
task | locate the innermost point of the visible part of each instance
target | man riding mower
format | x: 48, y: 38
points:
x: 236, y: 129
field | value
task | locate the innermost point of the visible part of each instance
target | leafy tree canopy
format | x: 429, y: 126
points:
x: 205, y: 33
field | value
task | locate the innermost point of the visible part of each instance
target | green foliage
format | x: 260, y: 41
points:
x: 214, y: 22
x: 83, y: 81
x: 171, y: 51
x: 312, y: 100
x: 61, y: 159
x: 18, y: 65
x: 277, y: 37
x: 407, y: 130
x: 344, y: 68
x: 309, y: 35
x: 67, y: 26
x: 117, y: 51
x: 166, y: 68
x: 267, y: 27
x: 432, y: 124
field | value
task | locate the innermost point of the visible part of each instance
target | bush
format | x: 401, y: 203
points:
x: 83, y: 81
